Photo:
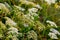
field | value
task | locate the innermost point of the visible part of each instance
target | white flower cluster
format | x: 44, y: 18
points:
x: 32, y: 34
x: 10, y: 22
x: 51, y: 23
x: 53, y: 34
x: 13, y: 30
x: 13, y: 33
x: 50, y: 1
x: 32, y: 10
x: 32, y: 13
x: 55, y: 31
x: 38, y: 6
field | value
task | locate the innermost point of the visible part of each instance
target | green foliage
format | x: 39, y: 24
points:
x: 29, y: 20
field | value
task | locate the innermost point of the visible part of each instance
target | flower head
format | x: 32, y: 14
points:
x: 13, y: 30
x: 51, y: 23
x: 32, y: 10
x: 38, y: 6
x: 50, y: 1
x: 52, y: 35
x: 32, y: 34
x: 10, y: 22
x: 54, y: 31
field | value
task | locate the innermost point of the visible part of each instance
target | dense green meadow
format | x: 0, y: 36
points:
x: 29, y: 20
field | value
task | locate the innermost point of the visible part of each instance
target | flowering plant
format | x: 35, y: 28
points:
x: 29, y: 20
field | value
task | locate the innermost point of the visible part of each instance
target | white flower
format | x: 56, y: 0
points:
x: 38, y: 6
x: 50, y: 1
x: 33, y: 14
x: 32, y: 34
x: 25, y: 25
x: 27, y: 16
x: 51, y: 23
x: 32, y: 10
x: 54, y: 31
x: 10, y: 22
x: 13, y: 30
x: 52, y: 35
